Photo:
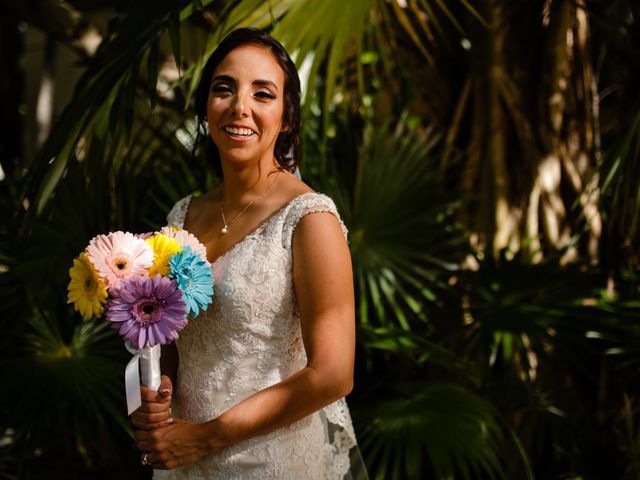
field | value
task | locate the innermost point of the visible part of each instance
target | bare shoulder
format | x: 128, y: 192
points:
x: 320, y: 232
x: 291, y: 187
x: 321, y: 254
x: 200, y: 205
x: 319, y: 226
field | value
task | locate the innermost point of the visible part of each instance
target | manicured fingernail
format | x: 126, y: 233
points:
x: 170, y: 420
x: 165, y: 391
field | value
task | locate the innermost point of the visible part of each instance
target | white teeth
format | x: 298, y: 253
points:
x: 239, y: 131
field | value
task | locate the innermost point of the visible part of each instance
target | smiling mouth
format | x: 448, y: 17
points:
x: 241, y: 132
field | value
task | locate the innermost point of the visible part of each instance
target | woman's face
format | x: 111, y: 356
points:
x: 246, y: 104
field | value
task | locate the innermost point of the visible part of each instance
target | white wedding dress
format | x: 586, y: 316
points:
x: 249, y: 339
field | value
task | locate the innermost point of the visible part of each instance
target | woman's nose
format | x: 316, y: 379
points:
x: 238, y: 107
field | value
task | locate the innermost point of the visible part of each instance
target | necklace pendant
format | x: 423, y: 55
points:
x: 225, y: 228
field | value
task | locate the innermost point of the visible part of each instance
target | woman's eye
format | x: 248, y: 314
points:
x: 220, y: 89
x: 265, y: 95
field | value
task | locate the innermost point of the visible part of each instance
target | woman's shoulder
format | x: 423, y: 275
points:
x: 296, y: 194
x: 191, y: 205
x: 302, y: 197
x: 310, y: 202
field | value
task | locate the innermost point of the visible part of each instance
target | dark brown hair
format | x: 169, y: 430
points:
x: 287, y: 147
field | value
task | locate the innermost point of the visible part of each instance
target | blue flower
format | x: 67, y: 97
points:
x: 194, y: 278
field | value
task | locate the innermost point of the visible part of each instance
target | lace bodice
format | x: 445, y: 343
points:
x: 249, y: 339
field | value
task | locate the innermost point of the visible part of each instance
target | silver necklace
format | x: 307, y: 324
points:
x: 225, y: 228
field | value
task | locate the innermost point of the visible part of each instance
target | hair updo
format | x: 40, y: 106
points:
x: 287, y: 147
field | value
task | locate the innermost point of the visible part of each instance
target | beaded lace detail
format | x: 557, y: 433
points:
x: 249, y: 339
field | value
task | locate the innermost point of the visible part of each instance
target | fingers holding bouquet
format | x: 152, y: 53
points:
x: 179, y: 443
x: 155, y: 411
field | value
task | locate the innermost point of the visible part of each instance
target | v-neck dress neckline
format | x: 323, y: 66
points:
x: 262, y: 225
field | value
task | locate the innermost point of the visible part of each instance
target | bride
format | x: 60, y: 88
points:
x: 260, y: 377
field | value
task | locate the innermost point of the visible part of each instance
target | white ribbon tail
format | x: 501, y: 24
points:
x: 132, y: 384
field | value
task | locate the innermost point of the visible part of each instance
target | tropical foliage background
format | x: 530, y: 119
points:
x: 484, y: 155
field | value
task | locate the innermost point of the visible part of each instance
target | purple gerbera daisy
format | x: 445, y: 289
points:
x: 147, y: 311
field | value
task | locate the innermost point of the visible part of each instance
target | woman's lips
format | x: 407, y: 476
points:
x: 238, y: 134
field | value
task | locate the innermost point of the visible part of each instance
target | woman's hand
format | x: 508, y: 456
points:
x: 155, y: 411
x: 180, y: 443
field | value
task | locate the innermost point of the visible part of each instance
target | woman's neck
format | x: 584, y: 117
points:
x: 241, y: 185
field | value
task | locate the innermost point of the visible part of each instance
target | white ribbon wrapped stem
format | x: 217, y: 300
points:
x: 147, y: 362
x: 150, y: 366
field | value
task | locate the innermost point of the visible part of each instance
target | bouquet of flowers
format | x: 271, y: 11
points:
x: 146, y: 286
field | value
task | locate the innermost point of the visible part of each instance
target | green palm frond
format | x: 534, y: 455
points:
x: 403, y: 237
x: 516, y: 309
x: 438, y: 431
x: 73, y: 389
x: 541, y: 335
x: 106, y: 186
x: 621, y: 191
x: 418, y: 348
x: 344, y: 37
x: 103, y: 101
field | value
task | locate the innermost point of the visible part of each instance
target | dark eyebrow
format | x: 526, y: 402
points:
x: 259, y: 82
x: 223, y: 78
x: 265, y: 83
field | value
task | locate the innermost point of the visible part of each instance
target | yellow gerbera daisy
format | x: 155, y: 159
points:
x: 163, y: 247
x: 86, y: 291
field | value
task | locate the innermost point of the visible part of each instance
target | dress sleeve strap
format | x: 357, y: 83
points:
x: 177, y: 214
x: 306, y: 204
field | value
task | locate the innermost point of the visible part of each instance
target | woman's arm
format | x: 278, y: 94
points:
x: 323, y: 282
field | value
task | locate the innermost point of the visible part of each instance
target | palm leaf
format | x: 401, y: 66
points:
x: 82, y: 386
x: 419, y: 348
x: 430, y: 431
x: 403, y: 239
x: 104, y: 94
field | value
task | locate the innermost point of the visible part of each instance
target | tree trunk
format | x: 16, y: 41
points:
x: 569, y: 135
x: 487, y: 179
x: 509, y: 209
x: 45, y: 102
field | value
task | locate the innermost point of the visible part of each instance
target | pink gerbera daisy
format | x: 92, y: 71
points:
x: 186, y: 239
x: 118, y: 256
